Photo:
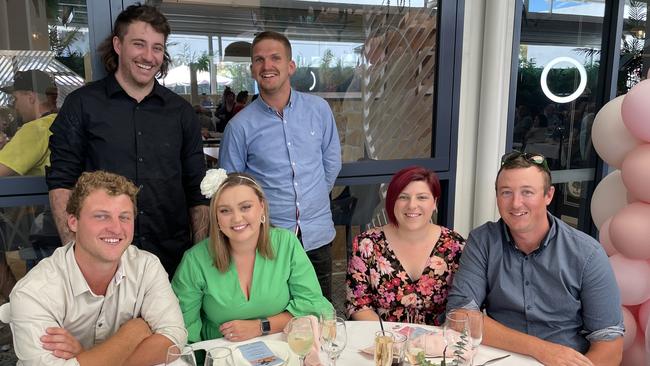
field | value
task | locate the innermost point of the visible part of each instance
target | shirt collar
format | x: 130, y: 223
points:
x: 552, y: 232
x: 292, y: 99
x: 78, y: 281
x: 113, y: 88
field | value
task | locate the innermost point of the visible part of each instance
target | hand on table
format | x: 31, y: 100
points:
x: 240, y: 330
x: 62, y: 344
x: 558, y: 355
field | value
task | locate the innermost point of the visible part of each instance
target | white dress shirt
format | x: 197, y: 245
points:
x: 56, y: 294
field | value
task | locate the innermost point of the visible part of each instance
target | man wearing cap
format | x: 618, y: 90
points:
x: 548, y: 289
x: 27, y: 152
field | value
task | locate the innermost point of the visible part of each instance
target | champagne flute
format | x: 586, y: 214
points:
x: 328, y: 321
x: 219, y: 356
x: 333, y: 341
x: 456, y: 332
x: 180, y: 356
x: 301, y: 337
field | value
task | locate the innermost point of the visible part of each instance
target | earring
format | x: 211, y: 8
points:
x: 263, y: 219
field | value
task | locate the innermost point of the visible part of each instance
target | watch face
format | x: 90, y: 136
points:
x: 266, y: 325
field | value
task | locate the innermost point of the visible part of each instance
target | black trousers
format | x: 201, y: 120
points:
x: 321, y: 260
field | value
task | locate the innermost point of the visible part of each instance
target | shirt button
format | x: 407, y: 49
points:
x: 527, y: 283
x: 139, y: 133
x: 526, y: 258
x: 528, y: 307
x: 141, y: 186
x: 143, y: 238
x: 295, y: 183
x: 140, y: 160
x: 141, y: 212
x: 297, y: 203
x: 285, y: 121
x: 99, y: 325
x: 288, y: 144
x: 293, y: 163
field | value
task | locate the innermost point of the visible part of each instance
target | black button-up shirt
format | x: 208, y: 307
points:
x: 155, y: 143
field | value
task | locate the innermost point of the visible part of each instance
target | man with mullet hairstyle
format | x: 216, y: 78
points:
x: 127, y: 123
x: 97, y: 300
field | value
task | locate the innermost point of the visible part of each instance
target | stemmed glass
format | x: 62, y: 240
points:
x: 301, y: 337
x: 456, y: 331
x: 219, y: 356
x: 475, y: 319
x: 180, y: 356
x: 333, y: 338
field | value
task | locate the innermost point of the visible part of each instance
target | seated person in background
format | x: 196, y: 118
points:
x: 98, y: 300
x: 402, y: 271
x: 548, y: 289
x: 241, y: 101
x: 247, y: 279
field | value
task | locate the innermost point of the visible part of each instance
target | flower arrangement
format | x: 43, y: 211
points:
x: 458, y: 357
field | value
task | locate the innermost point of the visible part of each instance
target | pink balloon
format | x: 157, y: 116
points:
x: 632, y: 277
x: 605, y: 241
x: 609, y: 196
x: 644, y: 313
x: 611, y: 139
x: 635, y: 354
x: 630, y: 328
x: 629, y: 231
x: 636, y: 109
x: 635, y: 172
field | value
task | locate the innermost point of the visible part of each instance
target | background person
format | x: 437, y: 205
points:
x: 127, y: 123
x: 247, y: 279
x: 548, y: 289
x: 402, y: 271
x: 98, y: 300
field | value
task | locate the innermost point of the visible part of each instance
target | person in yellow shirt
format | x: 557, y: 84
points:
x: 27, y: 152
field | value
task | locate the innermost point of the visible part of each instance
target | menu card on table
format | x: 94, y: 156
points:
x: 259, y: 354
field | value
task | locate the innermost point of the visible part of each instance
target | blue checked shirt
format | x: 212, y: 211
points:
x: 563, y: 292
x: 295, y: 158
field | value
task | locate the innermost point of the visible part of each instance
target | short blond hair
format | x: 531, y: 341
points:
x: 89, y: 182
x: 219, y: 243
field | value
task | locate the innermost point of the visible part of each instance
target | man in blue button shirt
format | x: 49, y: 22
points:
x: 288, y: 141
x: 548, y: 289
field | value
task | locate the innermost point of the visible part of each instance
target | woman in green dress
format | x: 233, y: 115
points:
x: 248, y: 278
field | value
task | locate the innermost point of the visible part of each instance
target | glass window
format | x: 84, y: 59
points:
x: 375, y: 64
x: 633, y: 64
x: 191, y: 66
x: 559, y: 61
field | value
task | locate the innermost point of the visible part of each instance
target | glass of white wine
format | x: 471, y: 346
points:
x: 334, y: 339
x: 178, y: 355
x: 301, y: 337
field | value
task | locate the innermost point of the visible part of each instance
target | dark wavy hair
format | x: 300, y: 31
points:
x: 402, y: 179
x: 135, y: 13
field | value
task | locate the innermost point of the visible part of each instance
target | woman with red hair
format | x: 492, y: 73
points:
x: 402, y: 271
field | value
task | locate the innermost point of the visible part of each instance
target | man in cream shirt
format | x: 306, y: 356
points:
x: 98, y: 300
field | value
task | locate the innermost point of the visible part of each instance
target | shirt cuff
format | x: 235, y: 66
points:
x: 606, y: 334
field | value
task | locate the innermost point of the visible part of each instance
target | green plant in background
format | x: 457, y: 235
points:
x: 196, y: 62
x: 61, y: 36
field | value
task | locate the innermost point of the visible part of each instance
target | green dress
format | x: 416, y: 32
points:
x: 209, y: 298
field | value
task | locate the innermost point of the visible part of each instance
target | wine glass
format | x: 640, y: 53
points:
x: 219, y: 356
x: 180, y: 356
x: 456, y: 332
x: 334, y: 339
x: 301, y: 337
x: 475, y: 319
x: 384, y: 348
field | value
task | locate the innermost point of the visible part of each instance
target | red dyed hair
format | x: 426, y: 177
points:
x: 402, y: 179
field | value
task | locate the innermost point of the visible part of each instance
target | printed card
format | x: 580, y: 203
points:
x: 259, y: 354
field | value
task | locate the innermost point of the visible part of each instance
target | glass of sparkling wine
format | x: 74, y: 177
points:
x: 384, y: 348
x: 327, y: 326
x: 301, y: 337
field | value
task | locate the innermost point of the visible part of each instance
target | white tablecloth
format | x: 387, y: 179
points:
x: 361, y: 334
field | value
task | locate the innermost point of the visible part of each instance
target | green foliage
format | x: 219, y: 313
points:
x: 458, y: 358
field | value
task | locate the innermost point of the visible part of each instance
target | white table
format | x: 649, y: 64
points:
x: 361, y: 334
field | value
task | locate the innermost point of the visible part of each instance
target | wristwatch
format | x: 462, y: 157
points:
x: 265, y: 326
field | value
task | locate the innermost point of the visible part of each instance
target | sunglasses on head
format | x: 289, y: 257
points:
x: 536, y: 159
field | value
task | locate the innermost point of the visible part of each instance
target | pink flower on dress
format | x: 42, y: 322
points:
x: 425, y: 285
x: 357, y: 264
x: 374, y: 278
x: 384, y: 266
x: 409, y: 300
x: 438, y: 265
x: 365, y: 248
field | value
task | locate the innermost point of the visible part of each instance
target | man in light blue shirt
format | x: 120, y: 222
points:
x: 288, y: 141
x: 547, y: 288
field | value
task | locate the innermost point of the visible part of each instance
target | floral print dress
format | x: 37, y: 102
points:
x: 376, y: 279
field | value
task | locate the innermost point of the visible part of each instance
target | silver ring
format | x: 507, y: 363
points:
x: 230, y: 336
